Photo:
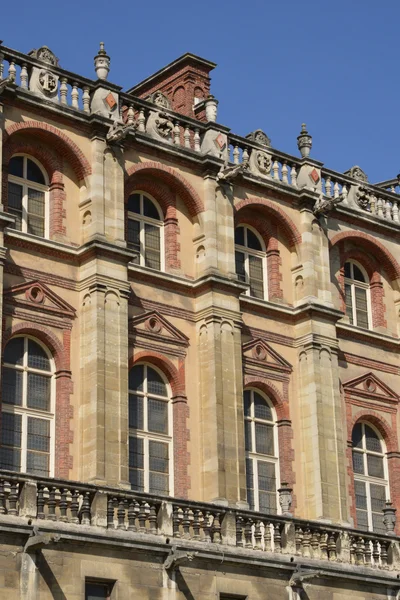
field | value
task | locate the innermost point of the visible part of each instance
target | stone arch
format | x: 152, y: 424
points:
x: 370, y: 416
x: 269, y: 389
x: 165, y: 365
x: 45, y: 336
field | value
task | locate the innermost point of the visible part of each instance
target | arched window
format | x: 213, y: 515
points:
x: 261, y: 452
x: 145, y: 230
x: 27, y: 419
x: 28, y: 195
x: 356, y: 287
x: 370, y: 477
x: 250, y: 258
x: 150, y: 431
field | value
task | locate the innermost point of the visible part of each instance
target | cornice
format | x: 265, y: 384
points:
x: 366, y: 336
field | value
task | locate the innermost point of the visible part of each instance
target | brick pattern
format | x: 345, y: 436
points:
x: 61, y: 355
x: 180, y: 409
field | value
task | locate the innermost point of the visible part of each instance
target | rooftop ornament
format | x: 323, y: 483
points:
x: 102, y: 63
x: 304, y: 142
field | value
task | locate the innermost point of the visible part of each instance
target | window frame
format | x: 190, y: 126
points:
x: 25, y: 184
x: 251, y: 252
x: 256, y: 456
x: 27, y: 412
x: 353, y: 283
x: 147, y: 435
x: 106, y: 584
x: 142, y: 219
x: 370, y: 479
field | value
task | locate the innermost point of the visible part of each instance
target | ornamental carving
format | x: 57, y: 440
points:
x: 48, y: 82
x: 163, y: 125
x: 263, y: 162
x: 160, y: 100
x: 45, y: 55
x: 363, y: 198
x: 260, y: 137
x: 357, y: 173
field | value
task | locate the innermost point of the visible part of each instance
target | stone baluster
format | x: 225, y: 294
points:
x: 395, y: 212
x: 1, y: 65
x: 153, y: 520
x: 13, y: 499
x: 85, y: 509
x: 372, y: 204
x: 40, y: 503
x: 86, y: 100
x: 197, y: 147
x: 388, y: 210
x: 177, y: 134
x: 298, y: 538
x: 75, y: 506
x: 345, y: 191
x: 186, y: 137
x: 63, y: 504
x: 293, y: 176
x: 176, y: 519
x: 207, y: 527
x: 133, y: 511
x: 51, y: 504
x: 277, y: 538
x: 267, y: 537
x: 332, y: 550
x: 186, y: 524
x: 336, y: 193
x: 75, y: 95
x: 367, y: 552
x: 245, y: 155
x: 384, y: 554
x: 314, y: 543
x: 323, y: 545
x: 375, y: 552
x: 285, y: 173
x: 275, y: 170
x: 258, y: 536
x: 24, y: 76
x: 130, y: 116
x: 236, y: 155
x: 63, y: 90
x: 121, y: 514
x: 328, y: 186
x: 239, y: 532
x: 141, y: 121
x: 380, y: 207
x: 216, y: 529
x: 359, y: 550
x: 305, y: 543
x: 2, y: 499
x: 110, y: 512
x: 196, y: 524
x: 12, y: 71
x: 248, y: 534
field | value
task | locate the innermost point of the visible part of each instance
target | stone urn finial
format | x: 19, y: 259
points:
x: 304, y: 141
x: 102, y: 63
x: 285, y: 499
x: 211, y: 105
x: 389, y: 518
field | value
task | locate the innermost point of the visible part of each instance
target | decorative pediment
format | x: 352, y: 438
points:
x: 357, y: 173
x: 259, y: 353
x: 152, y: 325
x: 35, y: 295
x: 370, y: 386
x: 260, y: 137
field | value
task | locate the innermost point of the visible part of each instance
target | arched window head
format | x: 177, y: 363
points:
x: 28, y: 192
x: 370, y: 477
x: 150, y: 431
x: 145, y: 230
x: 356, y: 287
x: 251, y: 263
x: 261, y: 452
x: 27, y: 419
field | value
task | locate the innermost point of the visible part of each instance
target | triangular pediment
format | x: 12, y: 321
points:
x: 259, y: 352
x: 370, y: 386
x: 37, y: 296
x: 153, y: 325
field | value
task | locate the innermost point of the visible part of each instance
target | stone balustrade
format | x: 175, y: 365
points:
x: 25, y: 497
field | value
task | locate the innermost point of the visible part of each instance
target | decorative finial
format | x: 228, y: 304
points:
x: 102, y: 63
x: 304, y: 141
x: 211, y: 105
x: 389, y: 518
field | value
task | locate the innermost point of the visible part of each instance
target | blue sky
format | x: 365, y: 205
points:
x: 331, y: 64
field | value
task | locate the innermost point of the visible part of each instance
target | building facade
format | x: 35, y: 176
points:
x: 200, y: 350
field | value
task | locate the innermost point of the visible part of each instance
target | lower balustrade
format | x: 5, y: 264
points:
x: 49, y: 500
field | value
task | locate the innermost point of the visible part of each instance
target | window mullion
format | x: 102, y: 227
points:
x: 353, y: 302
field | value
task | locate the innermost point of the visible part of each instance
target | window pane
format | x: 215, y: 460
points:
x: 96, y: 591
x: 378, y: 497
x: 155, y: 383
x: 158, y: 457
x: 361, y: 307
x: 267, y: 502
x: 358, y: 276
x: 240, y: 270
x: 15, y: 196
x: 152, y: 260
x: 134, y: 203
x: 158, y: 483
x: 247, y: 436
x: 375, y: 466
x: 16, y: 166
x: 11, y: 429
x: 253, y: 241
x: 134, y: 238
x: 349, y: 302
x: 152, y: 246
x: 264, y: 439
x: 37, y: 464
x: 36, y: 202
x: 136, y: 463
x: 12, y: 386
x: 38, y: 434
x: 256, y: 276
x: 35, y: 226
x: 347, y: 270
x: 239, y: 236
x: 358, y: 462
x: 372, y: 440
x: 261, y: 408
x: 250, y: 483
x: 136, y: 377
x: 157, y: 416
x: 357, y: 436
x: 377, y: 523
x: 266, y: 476
x: 362, y: 519
x: 149, y: 209
x: 136, y: 479
x: 10, y: 459
x: 14, y: 352
x: 37, y: 357
x: 135, y: 412
x: 38, y: 391
x: 33, y: 173
x: 361, y: 494
x: 247, y: 401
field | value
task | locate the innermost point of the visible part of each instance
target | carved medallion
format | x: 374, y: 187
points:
x: 45, y: 55
x: 363, y: 198
x: 48, y: 82
x: 163, y: 125
x: 263, y: 162
x: 357, y: 173
x: 160, y: 100
x: 260, y: 137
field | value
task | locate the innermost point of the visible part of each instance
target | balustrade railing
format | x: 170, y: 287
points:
x: 197, y: 522
x: 130, y: 513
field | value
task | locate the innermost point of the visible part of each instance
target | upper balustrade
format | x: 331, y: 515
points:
x: 39, y: 74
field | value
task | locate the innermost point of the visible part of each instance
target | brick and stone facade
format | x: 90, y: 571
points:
x: 82, y: 295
